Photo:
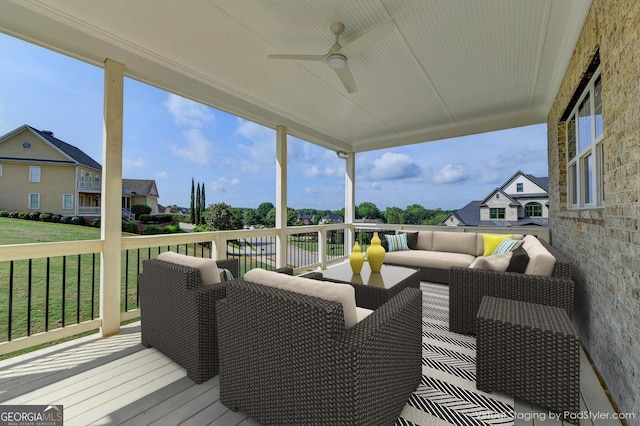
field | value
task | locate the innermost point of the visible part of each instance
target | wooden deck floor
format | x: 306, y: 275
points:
x: 117, y: 381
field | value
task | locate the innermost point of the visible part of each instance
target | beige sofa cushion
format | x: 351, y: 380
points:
x: 541, y: 262
x: 429, y: 259
x: 455, y: 242
x: 425, y: 240
x: 496, y: 262
x: 335, y: 292
x: 208, y: 267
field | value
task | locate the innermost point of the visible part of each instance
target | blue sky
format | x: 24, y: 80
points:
x: 171, y: 139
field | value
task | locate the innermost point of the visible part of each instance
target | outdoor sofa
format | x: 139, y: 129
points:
x: 458, y: 259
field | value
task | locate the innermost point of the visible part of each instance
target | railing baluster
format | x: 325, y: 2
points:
x: 138, y: 263
x: 126, y: 280
x: 10, y: 319
x: 29, y: 296
x: 47, y: 294
x: 93, y: 285
x: 78, y: 294
x: 64, y: 287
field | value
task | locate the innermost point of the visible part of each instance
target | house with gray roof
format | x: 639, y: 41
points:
x: 523, y: 200
x: 39, y: 172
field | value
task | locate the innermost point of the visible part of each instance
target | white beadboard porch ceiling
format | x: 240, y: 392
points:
x: 450, y: 68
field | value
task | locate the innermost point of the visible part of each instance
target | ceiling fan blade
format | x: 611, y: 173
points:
x: 372, y: 37
x: 344, y: 74
x: 321, y: 58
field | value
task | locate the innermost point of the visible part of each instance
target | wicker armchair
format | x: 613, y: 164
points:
x: 287, y: 359
x: 468, y: 286
x: 178, y: 314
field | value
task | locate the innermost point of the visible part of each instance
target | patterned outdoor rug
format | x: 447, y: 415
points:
x: 447, y: 393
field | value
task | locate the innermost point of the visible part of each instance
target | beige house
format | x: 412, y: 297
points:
x: 39, y: 172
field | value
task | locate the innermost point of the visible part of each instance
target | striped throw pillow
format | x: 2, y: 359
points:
x: 397, y: 242
x: 507, y: 245
x: 225, y: 275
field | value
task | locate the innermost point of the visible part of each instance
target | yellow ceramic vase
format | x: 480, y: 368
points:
x: 356, y: 259
x: 375, y: 254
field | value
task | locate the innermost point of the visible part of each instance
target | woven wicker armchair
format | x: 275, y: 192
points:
x: 468, y: 286
x: 178, y: 314
x: 287, y: 359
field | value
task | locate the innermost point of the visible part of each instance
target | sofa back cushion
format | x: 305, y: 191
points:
x: 425, y: 240
x: 334, y: 292
x: 207, y: 267
x: 455, y: 242
x: 541, y: 262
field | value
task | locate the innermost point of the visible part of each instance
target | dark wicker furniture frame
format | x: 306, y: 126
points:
x: 178, y: 314
x: 286, y: 358
x: 530, y: 351
x: 467, y: 287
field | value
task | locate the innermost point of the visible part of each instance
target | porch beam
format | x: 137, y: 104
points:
x: 350, y: 200
x: 281, y: 196
x: 111, y: 222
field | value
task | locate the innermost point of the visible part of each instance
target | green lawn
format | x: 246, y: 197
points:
x: 45, y: 283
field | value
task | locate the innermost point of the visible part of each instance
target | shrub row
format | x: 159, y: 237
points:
x: 130, y: 227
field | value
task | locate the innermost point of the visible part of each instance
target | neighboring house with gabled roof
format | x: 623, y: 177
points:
x: 521, y: 201
x: 39, y: 172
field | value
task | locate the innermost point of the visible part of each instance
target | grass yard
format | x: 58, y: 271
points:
x: 44, y: 284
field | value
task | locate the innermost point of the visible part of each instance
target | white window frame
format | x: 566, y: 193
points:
x: 0, y: 169
x: 33, y: 176
x: 37, y: 198
x: 585, y: 171
x: 67, y: 198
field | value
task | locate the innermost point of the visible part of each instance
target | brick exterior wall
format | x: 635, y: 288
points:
x: 604, y: 243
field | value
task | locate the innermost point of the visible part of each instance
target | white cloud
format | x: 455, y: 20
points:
x: 222, y: 184
x: 198, y: 149
x: 376, y: 186
x: 162, y: 175
x: 138, y: 163
x: 188, y: 113
x: 309, y: 190
x: 392, y: 166
x: 451, y: 173
x: 314, y: 171
x: 255, y: 132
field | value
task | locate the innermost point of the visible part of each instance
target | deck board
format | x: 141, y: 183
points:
x: 117, y: 381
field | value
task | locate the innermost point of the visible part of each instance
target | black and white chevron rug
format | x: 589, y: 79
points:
x: 447, y: 393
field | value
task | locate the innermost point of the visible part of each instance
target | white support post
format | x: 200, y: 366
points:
x: 322, y: 248
x: 281, y: 196
x: 110, y: 209
x: 350, y: 201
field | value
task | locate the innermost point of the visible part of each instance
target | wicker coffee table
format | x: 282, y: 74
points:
x: 530, y: 351
x: 374, y: 288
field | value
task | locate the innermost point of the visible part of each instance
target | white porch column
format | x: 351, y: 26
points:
x: 281, y: 196
x: 110, y: 209
x: 350, y: 200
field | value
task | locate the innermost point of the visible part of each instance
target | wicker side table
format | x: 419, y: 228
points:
x: 530, y: 351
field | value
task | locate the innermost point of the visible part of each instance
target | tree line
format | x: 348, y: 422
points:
x: 222, y: 217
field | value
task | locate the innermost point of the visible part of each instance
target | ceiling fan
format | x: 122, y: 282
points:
x: 338, y: 55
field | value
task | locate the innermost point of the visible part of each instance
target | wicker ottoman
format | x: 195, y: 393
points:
x: 530, y: 351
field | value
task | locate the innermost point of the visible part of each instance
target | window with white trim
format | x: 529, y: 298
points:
x: 585, y: 153
x: 34, y: 201
x: 34, y: 174
x: 67, y: 201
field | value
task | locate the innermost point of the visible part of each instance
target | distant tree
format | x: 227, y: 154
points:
x: 262, y: 211
x: 192, y: 208
x: 367, y: 210
x: 198, y: 206
x: 394, y: 215
x: 270, y: 219
x: 250, y: 217
x: 293, y: 217
x: 203, y: 204
x: 223, y: 217
x: 415, y: 214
